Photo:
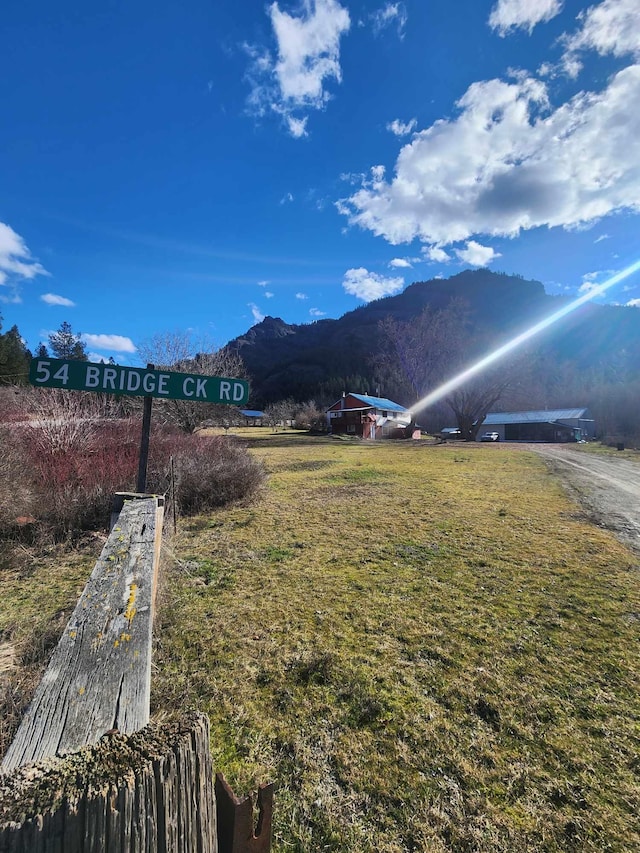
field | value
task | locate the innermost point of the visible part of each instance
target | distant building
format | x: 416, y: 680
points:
x: 551, y: 425
x: 252, y: 417
x: 368, y: 417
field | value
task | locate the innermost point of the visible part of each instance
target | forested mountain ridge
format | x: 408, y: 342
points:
x: 595, y: 344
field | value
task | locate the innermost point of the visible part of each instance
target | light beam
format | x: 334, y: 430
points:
x: 480, y: 365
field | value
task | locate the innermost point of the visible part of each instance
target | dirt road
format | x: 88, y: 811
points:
x: 607, y: 486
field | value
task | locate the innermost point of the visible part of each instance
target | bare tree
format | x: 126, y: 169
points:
x: 280, y: 413
x: 473, y: 401
x: 182, y: 352
x: 419, y: 352
x: 61, y: 420
x: 309, y: 416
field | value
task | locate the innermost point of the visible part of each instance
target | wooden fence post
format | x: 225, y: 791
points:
x: 150, y: 792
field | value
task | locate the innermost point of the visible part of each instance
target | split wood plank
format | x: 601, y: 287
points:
x: 99, y: 677
x: 150, y: 792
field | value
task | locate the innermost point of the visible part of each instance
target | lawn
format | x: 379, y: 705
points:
x: 427, y: 648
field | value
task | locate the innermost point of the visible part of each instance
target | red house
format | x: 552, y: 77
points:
x: 368, y: 417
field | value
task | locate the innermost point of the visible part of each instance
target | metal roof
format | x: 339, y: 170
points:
x: 251, y: 413
x: 379, y: 403
x: 542, y: 416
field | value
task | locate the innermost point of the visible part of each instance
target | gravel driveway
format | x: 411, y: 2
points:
x: 607, y: 486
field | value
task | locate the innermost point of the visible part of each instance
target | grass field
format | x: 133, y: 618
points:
x: 426, y: 648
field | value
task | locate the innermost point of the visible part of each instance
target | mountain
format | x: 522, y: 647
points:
x: 319, y: 360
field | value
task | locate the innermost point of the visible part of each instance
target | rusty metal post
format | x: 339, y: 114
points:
x: 237, y: 831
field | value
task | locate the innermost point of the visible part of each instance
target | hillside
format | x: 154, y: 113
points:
x: 319, y: 360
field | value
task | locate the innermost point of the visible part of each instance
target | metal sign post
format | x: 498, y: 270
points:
x: 143, y: 458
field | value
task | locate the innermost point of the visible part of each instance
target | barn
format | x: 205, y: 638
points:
x: 368, y: 417
x: 551, y: 425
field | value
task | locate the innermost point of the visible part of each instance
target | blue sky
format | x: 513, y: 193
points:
x: 198, y: 166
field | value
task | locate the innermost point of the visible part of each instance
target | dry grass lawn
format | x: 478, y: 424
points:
x: 427, y: 648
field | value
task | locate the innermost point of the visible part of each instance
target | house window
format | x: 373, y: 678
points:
x: 384, y: 414
x: 351, y: 427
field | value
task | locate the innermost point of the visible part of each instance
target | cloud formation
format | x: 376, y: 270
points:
x: 436, y: 254
x: 370, y: 285
x: 307, y: 57
x: 54, y: 299
x: 509, y: 15
x: 611, y: 27
x: 316, y: 312
x: 476, y: 254
x: 16, y: 264
x: 399, y: 128
x: 258, y: 316
x: 110, y: 343
x: 400, y: 263
x: 390, y: 15
x: 509, y: 162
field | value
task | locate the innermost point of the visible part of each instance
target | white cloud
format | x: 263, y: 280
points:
x: 287, y: 197
x: 370, y: 285
x: 263, y: 283
x: 476, y: 254
x: 392, y: 14
x: 508, y: 163
x: 297, y: 126
x: 610, y: 27
x: 16, y: 264
x: 110, y: 343
x: 601, y: 238
x: 435, y: 253
x: 402, y: 129
x: 633, y: 303
x: 54, y: 299
x: 378, y: 173
x: 308, y: 57
x: 315, y: 312
x: 268, y: 294
x: 508, y: 15
x: 400, y: 263
x: 258, y: 316
x: 591, y: 280
x: 301, y: 296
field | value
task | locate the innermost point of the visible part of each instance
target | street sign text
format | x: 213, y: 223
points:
x: 136, y: 381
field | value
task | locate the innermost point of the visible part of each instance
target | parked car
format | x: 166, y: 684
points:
x: 450, y: 432
x: 490, y: 436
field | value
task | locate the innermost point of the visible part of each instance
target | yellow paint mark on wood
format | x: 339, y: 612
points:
x: 130, y: 611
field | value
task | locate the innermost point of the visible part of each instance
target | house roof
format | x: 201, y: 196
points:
x: 379, y: 403
x: 251, y: 413
x: 542, y: 416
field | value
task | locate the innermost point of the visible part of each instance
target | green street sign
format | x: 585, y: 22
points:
x: 136, y: 381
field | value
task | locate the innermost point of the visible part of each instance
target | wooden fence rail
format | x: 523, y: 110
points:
x: 85, y: 772
x: 99, y: 677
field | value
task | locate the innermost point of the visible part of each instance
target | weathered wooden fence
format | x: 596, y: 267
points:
x: 85, y: 771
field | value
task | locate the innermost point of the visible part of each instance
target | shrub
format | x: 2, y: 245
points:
x: 75, y: 478
x: 16, y: 494
x: 213, y: 471
x: 67, y: 474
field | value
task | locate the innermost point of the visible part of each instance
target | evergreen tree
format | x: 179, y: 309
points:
x: 14, y: 357
x: 42, y: 351
x: 66, y: 344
